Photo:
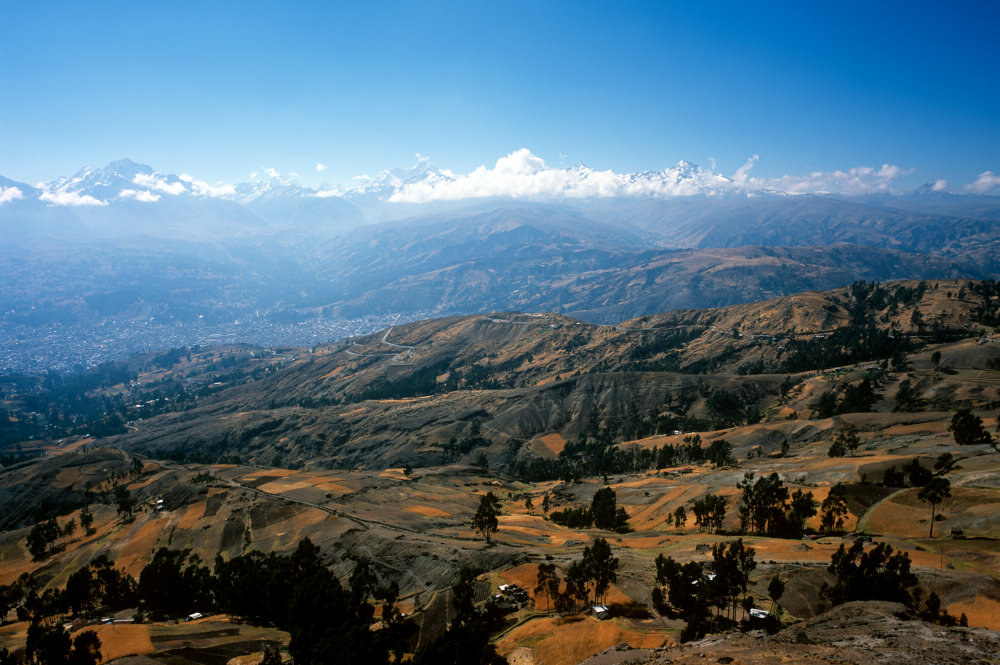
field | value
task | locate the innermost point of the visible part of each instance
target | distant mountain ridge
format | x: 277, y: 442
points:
x: 190, y: 252
x: 424, y: 183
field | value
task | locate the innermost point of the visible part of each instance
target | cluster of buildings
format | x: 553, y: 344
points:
x: 65, y: 346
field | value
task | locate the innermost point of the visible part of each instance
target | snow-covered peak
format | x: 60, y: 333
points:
x: 390, y: 181
x: 124, y: 180
x: 520, y: 175
x: 93, y: 186
x: 524, y: 175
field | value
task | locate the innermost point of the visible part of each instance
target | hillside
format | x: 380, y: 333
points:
x: 381, y: 447
x: 449, y: 389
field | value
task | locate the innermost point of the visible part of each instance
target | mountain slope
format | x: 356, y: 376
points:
x: 438, y: 390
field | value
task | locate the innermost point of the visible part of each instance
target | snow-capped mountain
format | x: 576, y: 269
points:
x: 127, y: 198
x: 519, y: 175
x: 101, y: 184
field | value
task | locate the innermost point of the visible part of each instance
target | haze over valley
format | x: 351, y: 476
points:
x: 530, y: 333
x: 122, y: 259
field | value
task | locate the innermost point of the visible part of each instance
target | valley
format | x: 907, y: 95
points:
x: 381, y: 447
x: 273, y: 263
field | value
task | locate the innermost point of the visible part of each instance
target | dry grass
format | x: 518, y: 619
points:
x: 354, y: 412
x: 269, y: 474
x: 332, y: 373
x: 74, y: 445
x: 140, y: 545
x: 792, y: 550
x: 427, y: 511
x: 404, y: 400
x: 645, y: 543
x: 334, y: 488
x: 526, y: 577
x: 282, y: 486
x: 659, y: 511
x: 982, y: 612
x: 123, y: 640
x: 397, y: 473
x: 556, y: 641
x: 191, y: 515
x: 554, y: 443
x: 66, y: 477
x: 12, y: 635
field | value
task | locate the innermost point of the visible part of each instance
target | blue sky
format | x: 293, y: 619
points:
x: 221, y: 89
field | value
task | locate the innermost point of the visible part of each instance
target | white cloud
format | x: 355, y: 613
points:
x: 144, y: 195
x: 159, y: 183
x: 202, y: 188
x: 64, y: 198
x: 328, y: 193
x: 524, y: 175
x: 272, y: 173
x: 986, y: 181
x: 743, y: 172
x: 10, y: 194
x: 940, y: 186
x: 858, y: 180
x: 320, y: 167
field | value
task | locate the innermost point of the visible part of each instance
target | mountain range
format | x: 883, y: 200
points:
x: 123, y: 257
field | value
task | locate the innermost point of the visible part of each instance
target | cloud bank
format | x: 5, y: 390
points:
x: 524, y: 175
x: 202, y: 188
x: 157, y: 182
x: 143, y: 195
x: 65, y: 198
x: 859, y: 180
x: 520, y: 175
x: 986, y: 181
x: 8, y: 194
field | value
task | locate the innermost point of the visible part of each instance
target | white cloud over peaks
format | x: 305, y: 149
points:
x: 202, y: 188
x: 986, y: 181
x: 320, y: 167
x: 940, y: 186
x: 9, y: 194
x: 524, y: 175
x: 743, y: 172
x: 272, y: 173
x: 859, y: 180
x: 64, y: 198
x: 143, y: 195
x: 159, y: 183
